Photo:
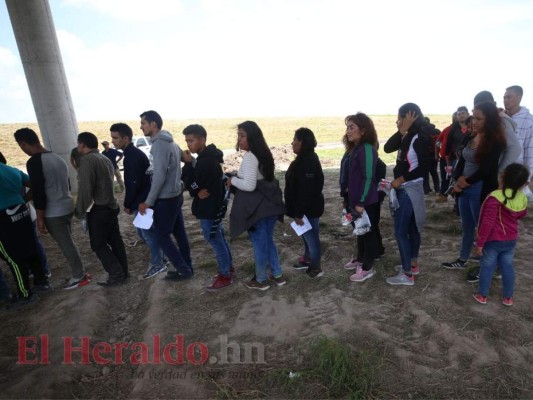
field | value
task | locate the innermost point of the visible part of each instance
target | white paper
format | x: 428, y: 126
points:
x: 301, y: 229
x: 144, y: 221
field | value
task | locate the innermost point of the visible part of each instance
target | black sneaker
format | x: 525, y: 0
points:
x: 457, y: 264
x: 44, y: 288
x: 314, y: 273
x: 473, y: 276
x: 110, y: 282
x: 300, y: 266
x: 177, y: 276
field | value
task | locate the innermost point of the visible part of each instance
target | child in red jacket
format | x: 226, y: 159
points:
x: 498, y: 232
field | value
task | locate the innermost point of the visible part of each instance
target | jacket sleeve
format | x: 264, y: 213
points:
x: 394, y: 143
x: 35, y: 171
x: 362, y: 166
x: 487, y: 219
x: 161, y: 161
x: 310, y: 184
x: 135, y: 183
x: 513, y: 147
x: 248, y: 173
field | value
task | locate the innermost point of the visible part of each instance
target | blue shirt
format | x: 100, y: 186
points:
x: 11, y: 184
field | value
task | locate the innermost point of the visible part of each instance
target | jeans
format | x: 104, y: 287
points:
x: 106, y: 241
x: 168, y: 219
x: 469, y: 207
x: 501, y: 254
x: 150, y: 237
x: 219, y: 244
x: 406, y: 231
x: 265, y: 251
x: 311, y: 240
x: 367, y: 244
x: 60, y: 230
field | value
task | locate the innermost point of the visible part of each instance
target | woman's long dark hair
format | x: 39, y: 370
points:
x: 259, y: 148
x: 493, y: 130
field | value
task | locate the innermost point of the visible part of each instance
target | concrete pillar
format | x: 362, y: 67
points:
x: 41, y: 58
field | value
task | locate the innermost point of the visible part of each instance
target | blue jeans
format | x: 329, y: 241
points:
x: 168, y: 219
x: 150, y: 237
x: 406, y: 231
x: 311, y: 240
x: 219, y: 244
x: 469, y: 207
x: 501, y: 254
x: 265, y: 251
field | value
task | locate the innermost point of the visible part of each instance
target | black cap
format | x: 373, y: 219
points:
x: 483, y: 97
x: 462, y: 109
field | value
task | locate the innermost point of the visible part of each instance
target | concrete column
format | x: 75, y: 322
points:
x: 41, y: 58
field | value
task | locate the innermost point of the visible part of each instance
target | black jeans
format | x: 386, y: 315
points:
x: 367, y: 244
x: 106, y: 241
x: 432, y: 170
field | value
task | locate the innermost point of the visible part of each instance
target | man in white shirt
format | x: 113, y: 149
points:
x: 524, y: 124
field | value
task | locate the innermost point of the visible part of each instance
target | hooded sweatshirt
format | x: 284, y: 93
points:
x: 166, y: 160
x: 524, y: 133
x: 499, y: 221
x: 205, y: 173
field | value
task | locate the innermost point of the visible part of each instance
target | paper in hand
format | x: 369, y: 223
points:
x: 144, y: 221
x: 301, y: 229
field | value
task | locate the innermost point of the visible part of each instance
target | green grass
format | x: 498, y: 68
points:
x: 330, y: 370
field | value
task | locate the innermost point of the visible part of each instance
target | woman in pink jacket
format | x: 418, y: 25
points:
x: 498, y: 231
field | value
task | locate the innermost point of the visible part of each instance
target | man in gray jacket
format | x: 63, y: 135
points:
x: 166, y: 197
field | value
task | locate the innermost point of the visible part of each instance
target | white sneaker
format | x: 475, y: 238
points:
x: 401, y: 279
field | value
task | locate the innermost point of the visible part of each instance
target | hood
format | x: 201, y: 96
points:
x: 165, y: 136
x: 508, y: 120
x: 212, y: 151
x: 522, y: 112
x: 519, y: 203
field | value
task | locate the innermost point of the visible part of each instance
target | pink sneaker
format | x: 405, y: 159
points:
x: 361, y: 275
x: 353, y: 264
x: 480, y: 299
x: 507, y: 301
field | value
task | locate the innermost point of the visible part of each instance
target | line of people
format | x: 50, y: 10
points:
x: 488, y: 144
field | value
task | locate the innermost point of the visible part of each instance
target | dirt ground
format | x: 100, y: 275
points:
x: 432, y: 340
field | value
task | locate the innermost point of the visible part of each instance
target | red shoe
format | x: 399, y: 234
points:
x: 507, y: 301
x: 480, y: 299
x: 220, y: 282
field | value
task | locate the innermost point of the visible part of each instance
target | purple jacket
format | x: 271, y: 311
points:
x: 362, y: 185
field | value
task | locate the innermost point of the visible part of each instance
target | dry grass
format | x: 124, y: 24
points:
x: 222, y: 132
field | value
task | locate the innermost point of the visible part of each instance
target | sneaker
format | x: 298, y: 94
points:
x: 507, y: 301
x: 457, y: 264
x: 401, y: 279
x: 154, y: 270
x: 20, y: 302
x: 361, y: 275
x: 253, y: 284
x: 280, y: 280
x: 231, y: 272
x: 314, y: 273
x: 220, y: 282
x: 472, y: 275
x: 353, y: 264
x: 379, y: 256
x: 480, y: 299
x: 177, y: 276
x: 110, y: 282
x: 415, y: 269
x: 44, y: 288
x: 76, y: 283
x: 497, y: 275
x: 48, y: 274
x: 301, y: 264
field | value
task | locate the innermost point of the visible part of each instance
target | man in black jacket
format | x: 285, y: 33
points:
x: 203, y: 178
x: 137, y: 182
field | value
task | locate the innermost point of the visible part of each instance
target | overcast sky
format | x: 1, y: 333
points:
x: 251, y: 58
